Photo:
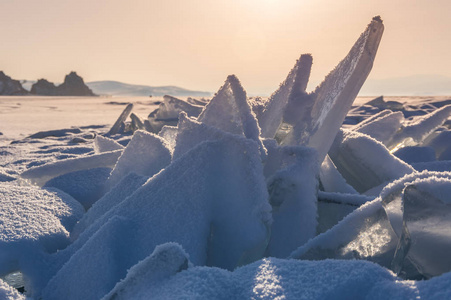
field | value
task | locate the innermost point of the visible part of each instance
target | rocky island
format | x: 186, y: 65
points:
x: 73, y: 85
x: 10, y: 87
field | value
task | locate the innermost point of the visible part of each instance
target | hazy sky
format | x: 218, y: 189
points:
x: 196, y: 43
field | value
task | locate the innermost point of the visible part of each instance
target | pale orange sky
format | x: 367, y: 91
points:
x: 196, y: 43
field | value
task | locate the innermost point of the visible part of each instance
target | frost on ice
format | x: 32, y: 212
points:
x: 208, y: 198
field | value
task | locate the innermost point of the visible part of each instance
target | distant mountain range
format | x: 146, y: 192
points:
x: 116, y: 88
x: 415, y: 85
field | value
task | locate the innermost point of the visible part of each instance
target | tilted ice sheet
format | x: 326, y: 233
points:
x: 229, y: 111
x: 366, y: 234
x: 275, y: 107
x: 146, y: 154
x: 165, y: 261
x: 366, y: 163
x: 334, y: 97
x: 212, y: 201
x: 126, y: 187
x: 191, y: 133
x: 332, y: 180
x: 104, y: 144
x: 426, y: 240
x: 382, y: 128
x: 293, y: 197
x: 41, y: 174
x: 416, y: 131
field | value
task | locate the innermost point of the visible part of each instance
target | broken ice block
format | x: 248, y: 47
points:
x: 333, y: 207
x: 41, y: 174
x: 165, y: 261
x: 382, y: 126
x: 334, y: 97
x: 122, y: 117
x: 104, y: 144
x: 229, y: 111
x: 425, y: 239
x: 127, y: 186
x: 191, y: 133
x: 146, y: 154
x: 212, y: 201
x: 414, y: 132
x: 168, y: 112
x: 366, y: 163
x: 332, y: 180
x: 366, y: 234
x: 169, y: 134
x: 137, y: 123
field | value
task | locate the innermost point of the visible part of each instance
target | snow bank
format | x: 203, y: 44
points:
x: 273, y: 278
x: 33, y: 220
x: 9, y: 293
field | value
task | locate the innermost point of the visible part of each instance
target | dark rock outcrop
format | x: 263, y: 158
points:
x: 43, y: 87
x: 73, y: 85
x: 10, y: 86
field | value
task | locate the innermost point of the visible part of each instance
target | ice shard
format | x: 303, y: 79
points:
x: 332, y: 180
x: 168, y: 112
x: 104, y: 144
x: 365, y: 233
x: 229, y: 111
x: 137, y: 123
x: 293, y: 197
x: 165, y: 261
x: 41, y: 174
x: 366, y: 163
x: 146, y: 154
x: 127, y: 186
x: 425, y: 241
x: 414, y: 132
x: 333, y: 207
x: 120, y: 121
x: 335, y: 95
x: 169, y: 134
x: 382, y: 127
x: 212, y: 201
x: 191, y: 133
x: 293, y: 87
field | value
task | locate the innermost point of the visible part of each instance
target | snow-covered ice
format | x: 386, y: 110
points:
x: 299, y: 196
